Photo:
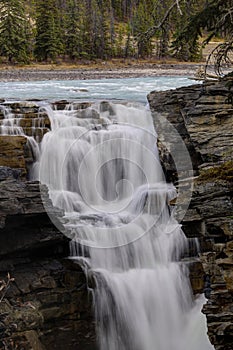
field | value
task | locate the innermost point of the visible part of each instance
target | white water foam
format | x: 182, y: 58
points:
x: 131, y: 89
x: 102, y: 169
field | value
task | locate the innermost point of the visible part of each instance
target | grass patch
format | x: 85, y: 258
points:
x: 115, y: 63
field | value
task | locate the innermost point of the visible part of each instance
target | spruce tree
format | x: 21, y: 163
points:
x: 80, y: 29
x: 14, y: 31
x: 215, y: 17
x: 164, y: 33
x: 101, y: 29
x: 73, y: 29
x: 107, y: 28
x: 145, y: 14
x: 48, y: 43
x: 96, y: 29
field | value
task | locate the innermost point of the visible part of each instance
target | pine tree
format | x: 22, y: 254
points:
x: 101, y: 29
x: 108, y: 28
x: 74, y: 29
x: 96, y: 28
x: 164, y: 33
x: 141, y: 21
x: 215, y: 17
x: 48, y: 42
x: 14, y: 31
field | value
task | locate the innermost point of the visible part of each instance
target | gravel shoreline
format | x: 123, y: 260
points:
x: 30, y: 74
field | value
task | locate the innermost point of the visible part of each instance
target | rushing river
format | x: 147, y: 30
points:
x: 127, y: 89
x: 102, y: 168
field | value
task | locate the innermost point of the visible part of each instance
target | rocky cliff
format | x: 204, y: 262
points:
x: 47, y: 305
x: 203, y: 116
x: 44, y: 297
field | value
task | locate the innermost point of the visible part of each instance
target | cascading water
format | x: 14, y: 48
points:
x: 101, y: 166
x: 10, y: 125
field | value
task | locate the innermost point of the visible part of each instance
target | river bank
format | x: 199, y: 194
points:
x: 105, y: 70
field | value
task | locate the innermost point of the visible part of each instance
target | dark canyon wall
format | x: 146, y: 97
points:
x: 203, y: 116
x: 47, y: 305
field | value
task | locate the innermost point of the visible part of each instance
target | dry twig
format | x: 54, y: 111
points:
x: 5, y: 285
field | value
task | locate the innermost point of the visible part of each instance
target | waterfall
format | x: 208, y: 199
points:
x: 10, y: 125
x: 102, y: 168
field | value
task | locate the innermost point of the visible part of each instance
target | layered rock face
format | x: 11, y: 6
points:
x: 47, y: 305
x: 44, y: 299
x: 203, y: 116
x: 29, y: 116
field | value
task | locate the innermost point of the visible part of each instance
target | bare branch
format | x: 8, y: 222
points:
x: 146, y: 36
x: 222, y: 57
x: 223, y: 18
x: 152, y: 30
x: 5, y: 285
x: 178, y: 7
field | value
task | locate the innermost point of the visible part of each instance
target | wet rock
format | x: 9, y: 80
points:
x: 87, y: 113
x: 25, y: 224
x: 105, y: 106
x: 81, y: 105
x: 61, y: 104
x: 49, y: 292
x: 204, y: 119
x: 53, y: 303
x: 24, y: 107
x: 201, y: 116
x: 12, y: 152
x: 7, y: 172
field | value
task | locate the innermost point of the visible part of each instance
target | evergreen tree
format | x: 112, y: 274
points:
x: 87, y: 30
x: 101, y: 29
x: 112, y: 33
x: 14, y: 31
x: 108, y: 28
x: 141, y: 21
x: 157, y: 21
x: 74, y: 29
x: 48, y: 42
x: 129, y: 49
x: 215, y: 17
x: 96, y: 29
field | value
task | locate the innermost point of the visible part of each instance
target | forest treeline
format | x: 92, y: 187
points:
x: 45, y: 30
